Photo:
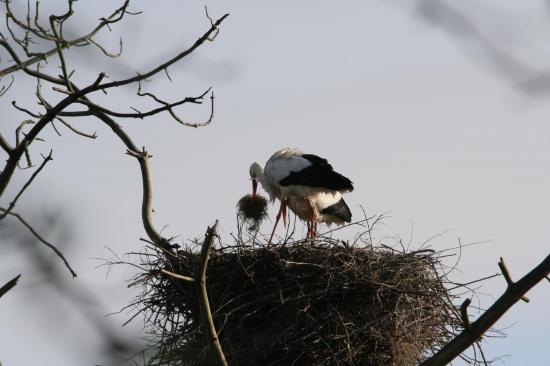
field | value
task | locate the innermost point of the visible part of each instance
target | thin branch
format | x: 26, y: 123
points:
x: 178, y: 276
x: 113, y: 18
x: 20, y: 66
x: 464, y: 314
x: 58, y: 42
x: 508, y: 276
x: 36, y: 16
x: 207, y: 321
x: 514, y: 292
x: 459, y: 285
x: 40, y: 32
x: 168, y: 107
x: 105, y: 52
x: 23, y: 144
x: 34, y: 115
x: 77, y: 95
x: 26, y: 185
x: 196, y: 124
x: 92, y: 136
x: 173, y: 60
x: 41, y: 239
x: 5, y: 145
x: 60, y: 19
x: 50, y: 115
x: 9, y: 285
x: 5, y: 88
x: 143, y: 159
x: 141, y: 115
x: 212, y: 37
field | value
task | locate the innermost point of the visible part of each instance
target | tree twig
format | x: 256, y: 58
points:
x: 508, y: 276
x: 92, y: 136
x: 26, y: 185
x: 9, y: 285
x: 114, y: 17
x: 141, y: 115
x: 41, y: 239
x: 464, y: 314
x: 5, y: 145
x: 178, y: 276
x: 173, y: 60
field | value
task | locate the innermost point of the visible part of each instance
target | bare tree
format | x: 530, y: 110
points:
x: 76, y: 101
x: 25, y: 44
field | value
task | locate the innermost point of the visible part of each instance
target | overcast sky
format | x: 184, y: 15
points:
x: 438, y: 113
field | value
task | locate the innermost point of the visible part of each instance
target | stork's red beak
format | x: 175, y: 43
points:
x: 254, y: 187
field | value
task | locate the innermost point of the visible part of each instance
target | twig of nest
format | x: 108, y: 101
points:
x: 315, y: 303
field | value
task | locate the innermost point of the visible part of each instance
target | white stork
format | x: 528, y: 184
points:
x: 307, y: 184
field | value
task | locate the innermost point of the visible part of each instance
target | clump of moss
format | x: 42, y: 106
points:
x: 253, y: 209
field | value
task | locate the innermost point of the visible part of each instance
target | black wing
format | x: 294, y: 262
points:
x: 318, y: 174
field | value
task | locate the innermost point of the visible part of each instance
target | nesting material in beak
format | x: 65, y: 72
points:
x: 254, y: 187
x: 252, y: 209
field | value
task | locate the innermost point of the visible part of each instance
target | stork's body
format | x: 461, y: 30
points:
x: 307, y: 184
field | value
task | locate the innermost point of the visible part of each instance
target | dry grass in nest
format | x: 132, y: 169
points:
x: 253, y: 209
x: 305, y: 303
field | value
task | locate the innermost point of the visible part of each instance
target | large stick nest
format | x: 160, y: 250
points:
x: 306, y: 303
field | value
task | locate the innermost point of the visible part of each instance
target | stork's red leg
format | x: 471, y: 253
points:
x: 281, y: 210
x: 285, y: 216
x: 313, y: 221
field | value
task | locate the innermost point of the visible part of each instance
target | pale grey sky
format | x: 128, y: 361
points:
x: 439, y: 115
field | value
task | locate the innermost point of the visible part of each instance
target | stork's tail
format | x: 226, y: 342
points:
x: 340, y: 209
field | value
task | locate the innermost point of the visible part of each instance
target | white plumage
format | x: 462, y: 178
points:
x: 305, y: 183
x: 320, y: 201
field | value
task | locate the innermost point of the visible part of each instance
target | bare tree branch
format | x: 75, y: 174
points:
x: 9, y: 285
x: 178, y: 276
x: 210, y: 333
x: 34, y: 115
x: 25, y: 143
x: 73, y: 95
x: 143, y: 159
x: 166, y: 107
x: 50, y: 115
x: 105, y: 52
x: 4, y: 88
x: 508, y: 276
x: 26, y: 185
x: 20, y: 66
x: 41, y: 239
x: 53, y: 19
x: 92, y: 136
x: 173, y: 60
x: 464, y: 314
x: 116, y: 16
x: 5, y: 145
x: 514, y: 292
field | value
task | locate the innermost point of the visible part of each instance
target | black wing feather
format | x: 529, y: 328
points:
x: 319, y: 174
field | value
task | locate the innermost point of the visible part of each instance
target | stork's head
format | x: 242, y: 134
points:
x: 256, y: 171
